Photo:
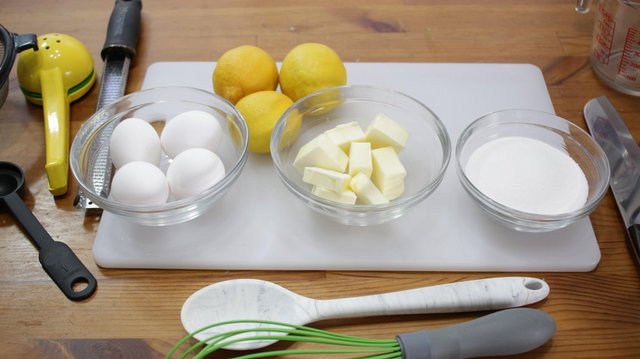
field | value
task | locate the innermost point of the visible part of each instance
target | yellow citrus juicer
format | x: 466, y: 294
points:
x: 60, y: 72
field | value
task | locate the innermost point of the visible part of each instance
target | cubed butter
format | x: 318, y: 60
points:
x: 388, y: 172
x: 321, y: 152
x: 333, y: 180
x: 346, y: 196
x: 366, y: 191
x: 383, y: 131
x: 346, y: 133
x: 360, y: 159
x: 394, y: 191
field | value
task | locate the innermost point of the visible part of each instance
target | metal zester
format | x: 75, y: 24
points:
x: 118, y: 52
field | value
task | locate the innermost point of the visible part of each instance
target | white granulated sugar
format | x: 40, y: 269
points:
x: 528, y: 175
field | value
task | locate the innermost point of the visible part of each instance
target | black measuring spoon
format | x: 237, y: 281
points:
x: 57, y: 259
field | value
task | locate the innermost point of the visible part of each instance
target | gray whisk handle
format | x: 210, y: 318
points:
x: 507, y: 332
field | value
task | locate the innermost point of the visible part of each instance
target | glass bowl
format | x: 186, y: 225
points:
x: 554, y: 208
x: 90, y: 150
x: 425, y: 156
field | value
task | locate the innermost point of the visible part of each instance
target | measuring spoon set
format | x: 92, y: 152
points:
x: 57, y: 259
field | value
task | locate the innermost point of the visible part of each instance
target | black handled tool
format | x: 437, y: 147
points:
x: 118, y: 52
x: 57, y: 259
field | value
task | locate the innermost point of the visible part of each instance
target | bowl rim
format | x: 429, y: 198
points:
x: 372, y: 209
x: 516, y: 216
x: 94, y: 122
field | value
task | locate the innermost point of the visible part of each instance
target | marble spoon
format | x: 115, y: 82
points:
x: 262, y: 300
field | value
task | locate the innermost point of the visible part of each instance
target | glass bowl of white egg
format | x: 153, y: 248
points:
x: 531, y: 171
x: 360, y: 155
x: 160, y: 156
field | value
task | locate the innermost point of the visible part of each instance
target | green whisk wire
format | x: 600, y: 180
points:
x: 365, y: 348
x: 386, y: 355
x: 373, y: 348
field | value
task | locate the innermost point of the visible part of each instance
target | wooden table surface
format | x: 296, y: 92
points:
x: 135, y: 313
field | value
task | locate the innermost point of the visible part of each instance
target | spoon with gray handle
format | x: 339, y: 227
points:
x: 262, y: 300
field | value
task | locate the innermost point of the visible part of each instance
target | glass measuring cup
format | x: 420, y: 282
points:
x: 615, y: 49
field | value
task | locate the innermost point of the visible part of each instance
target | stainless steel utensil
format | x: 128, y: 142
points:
x: 611, y: 133
x: 118, y: 52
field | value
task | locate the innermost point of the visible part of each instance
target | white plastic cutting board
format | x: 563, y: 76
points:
x: 260, y: 225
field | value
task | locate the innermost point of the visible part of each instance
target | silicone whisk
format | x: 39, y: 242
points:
x: 507, y: 332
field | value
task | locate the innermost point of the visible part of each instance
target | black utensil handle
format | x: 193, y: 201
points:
x: 123, y: 30
x: 26, y: 41
x: 57, y: 259
x: 28, y: 221
x: 634, y: 241
x: 67, y: 271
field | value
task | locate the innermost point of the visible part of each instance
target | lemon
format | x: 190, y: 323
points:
x: 261, y: 110
x: 310, y: 67
x: 242, y: 71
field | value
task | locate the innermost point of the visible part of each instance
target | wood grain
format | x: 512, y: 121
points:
x: 135, y: 313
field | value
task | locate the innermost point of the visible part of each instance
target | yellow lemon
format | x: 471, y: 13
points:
x: 262, y: 110
x: 310, y: 67
x: 242, y: 71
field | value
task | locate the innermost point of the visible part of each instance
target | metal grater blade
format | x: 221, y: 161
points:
x: 112, y: 87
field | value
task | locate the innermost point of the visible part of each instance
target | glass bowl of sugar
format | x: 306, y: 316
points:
x: 531, y: 171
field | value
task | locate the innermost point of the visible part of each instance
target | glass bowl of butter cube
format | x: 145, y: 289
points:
x: 360, y: 155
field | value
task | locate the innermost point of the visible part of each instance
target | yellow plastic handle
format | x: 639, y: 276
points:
x: 55, y: 104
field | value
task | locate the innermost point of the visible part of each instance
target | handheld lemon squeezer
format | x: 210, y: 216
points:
x: 60, y: 72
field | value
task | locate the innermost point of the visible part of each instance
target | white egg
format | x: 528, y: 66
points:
x: 139, y: 182
x: 190, y: 129
x: 194, y: 171
x: 134, y: 140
